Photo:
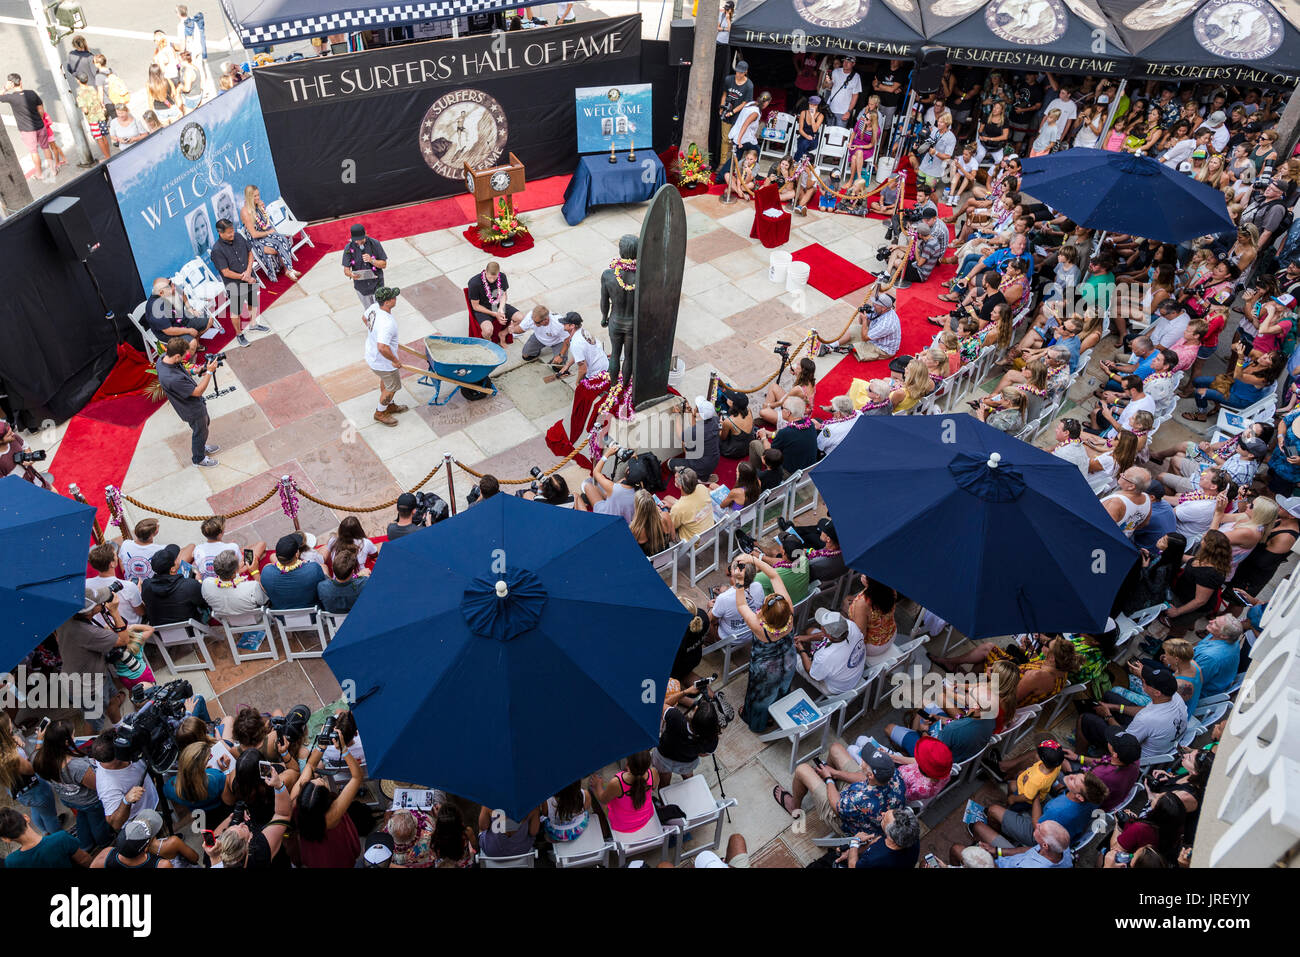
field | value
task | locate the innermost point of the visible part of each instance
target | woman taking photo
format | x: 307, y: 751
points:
x: 326, y: 835
x: 805, y: 386
x: 993, y: 133
x: 273, y: 250
x: 196, y: 786
x: 690, y: 731
x: 650, y: 525
x: 18, y: 777
x: 1091, y: 122
x: 1196, y: 587
x: 72, y: 777
x: 771, y: 654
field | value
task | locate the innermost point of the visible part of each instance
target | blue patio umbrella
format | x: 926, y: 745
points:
x: 1124, y: 193
x: 507, y: 652
x: 992, y: 534
x: 46, y: 537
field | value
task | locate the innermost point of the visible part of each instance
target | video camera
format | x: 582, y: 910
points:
x: 149, y: 733
x: 782, y: 349
x: 36, y: 455
x: 326, y: 736
x: 429, y: 505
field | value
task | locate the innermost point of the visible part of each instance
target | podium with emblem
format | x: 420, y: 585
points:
x: 493, y: 183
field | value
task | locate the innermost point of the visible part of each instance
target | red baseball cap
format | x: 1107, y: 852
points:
x: 934, y: 758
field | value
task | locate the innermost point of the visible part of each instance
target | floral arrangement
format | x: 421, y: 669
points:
x: 693, y: 168
x: 505, y: 225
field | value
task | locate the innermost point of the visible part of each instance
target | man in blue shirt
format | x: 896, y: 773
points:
x: 1161, y: 523
x: 57, y: 850
x: 1218, y: 655
x: 1145, y: 352
x: 1052, y: 849
x: 290, y: 582
x: 339, y: 594
x: 1072, y: 809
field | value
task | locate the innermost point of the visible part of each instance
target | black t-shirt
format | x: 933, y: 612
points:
x: 991, y: 302
x: 159, y: 314
x: 967, y: 80
x: 478, y: 292
x: 231, y: 255
x: 171, y: 598
x: 770, y: 478
x: 879, y: 854
x: 398, y: 531
x: 178, y: 385
x: 27, y: 113
x: 1026, y: 101
x: 798, y: 446
x: 691, y: 648
x: 738, y: 94
x: 1192, y: 576
x: 676, y: 743
x: 888, y: 75
x: 352, y: 254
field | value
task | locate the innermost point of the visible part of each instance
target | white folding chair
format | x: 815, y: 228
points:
x: 860, y: 697
x: 665, y: 563
x: 703, y: 553
x: 701, y: 808
x: 777, y: 144
x: 588, y: 849
x: 179, y: 634
x: 902, y: 659
x: 802, y: 482
x: 152, y: 348
x: 285, y: 222
x: 514, y: 860
x: 833, y: 148
x: 653, y: 835
x: 201, y: 286
x: 1013, y: 735
x: 236, y: 626
x: 803, y: 609
x: 820, y: 729
x: 1156, y: 760
x: 300, y: 621
x: 1059, y: 703
x: 728, y: 646
x: 333, y: 621
x: 1233, y: 421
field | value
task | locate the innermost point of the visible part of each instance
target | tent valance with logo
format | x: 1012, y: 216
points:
x: 260, y: 22
x: 879, y: 29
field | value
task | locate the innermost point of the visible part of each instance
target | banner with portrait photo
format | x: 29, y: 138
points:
x: 173, y: 187
x: 380, y: 128
x: 614, y: 117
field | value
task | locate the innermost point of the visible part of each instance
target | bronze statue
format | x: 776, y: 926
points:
x: 618, y: 306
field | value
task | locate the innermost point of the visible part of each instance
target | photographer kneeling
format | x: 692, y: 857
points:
x: 690, y: 731
x: 917, y: 256
x: 327, y: 837
x: 553, y: 490
x: 14, y: 454
x: 239, y: 842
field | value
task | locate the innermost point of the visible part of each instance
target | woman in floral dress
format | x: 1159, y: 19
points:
x: 273, y: 250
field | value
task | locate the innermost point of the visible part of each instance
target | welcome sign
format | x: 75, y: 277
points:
x: 614, y: 116
x: 173, y: 187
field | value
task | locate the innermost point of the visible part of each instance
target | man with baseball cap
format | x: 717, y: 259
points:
x: 168, y: 596
x: 406, y: 505
x: 828, y: 658
x: 382, y: 345
x: 290, y: 581
x: 846, y: 87
x: 879, y: 326
x: 850, y: 796
x: 1158, y: 726
x: 738, y: 90
x: 83, y: 642
x: 582, y: 350
x: 364, y: 260
x: 1119, y: 769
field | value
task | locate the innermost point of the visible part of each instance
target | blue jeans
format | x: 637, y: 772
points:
x: 92, y: 828
x: 967, y: 264
x: 201, y: 709
x: 1290, y: 248
x: 39, y: 800
x: 1240, y: 396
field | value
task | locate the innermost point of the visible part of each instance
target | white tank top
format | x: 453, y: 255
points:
x: 1133, y: 514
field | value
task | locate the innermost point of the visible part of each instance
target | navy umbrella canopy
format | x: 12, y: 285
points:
x: 992, y: 534
x: 509, y: 651
x: 1124, y: 193
x: 46, y: 537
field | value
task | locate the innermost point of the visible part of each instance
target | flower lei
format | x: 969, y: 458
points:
x: 1026, y: 387
x: 598, y: 381
x: 487, y: 287
x: 610, y: 398
x: 114, y: 496
x: 805, y: 423
x: 238, y: 579
x: 1159, y: 375
x: 619, y: 265
x: 1067, y: 443
x: 292, y: 566
x: 289, y: 496
x: 822, y: 552
x: 1198, y: 496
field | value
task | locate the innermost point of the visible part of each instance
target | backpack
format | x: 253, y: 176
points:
x: 118, y: 94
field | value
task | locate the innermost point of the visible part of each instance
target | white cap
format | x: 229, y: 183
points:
x: 832, y: 622
x: 377, y: 854
x: 1289, y: 504
x: 704, y: 407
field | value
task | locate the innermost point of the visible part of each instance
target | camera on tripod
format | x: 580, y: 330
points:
x: 782, y: 349
x: 36, y: 455
x: 429, y: 506
x: 149, y: 733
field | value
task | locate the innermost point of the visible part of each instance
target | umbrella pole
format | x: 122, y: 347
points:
x: 451, y: 484
x: 1114, y: 106
x: 718, y: 772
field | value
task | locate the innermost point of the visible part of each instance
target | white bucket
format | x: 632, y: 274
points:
x: 778, y: 263
x: 677, y: 372
x: 797, y: 276
x: 884, y: 168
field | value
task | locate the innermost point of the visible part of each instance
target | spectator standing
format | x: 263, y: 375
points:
x: 736, y: 93
x: 30, y: 117
x: 185, y: 393
x: 381, y: 353
x: 846, y: 87
x: 232, y: 255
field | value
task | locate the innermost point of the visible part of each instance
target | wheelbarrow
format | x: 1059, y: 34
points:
x: 461, y: 361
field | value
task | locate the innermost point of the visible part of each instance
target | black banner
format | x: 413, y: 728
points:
x: 1037, y: 61
x: 385, y: 127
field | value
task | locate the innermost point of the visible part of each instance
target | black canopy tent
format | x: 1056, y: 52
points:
x: 1052, y: 36
x: 1246, y: 42
x: 260, y: 22
x: 883, y: 29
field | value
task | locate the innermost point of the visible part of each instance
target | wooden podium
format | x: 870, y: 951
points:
x: 488, y: 185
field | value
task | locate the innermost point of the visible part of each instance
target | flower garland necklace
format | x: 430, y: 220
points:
x: 237, y: 580
x: 822, y: 552
x: 1198, y: 496
x: 619, y: 265
x: 1032, y: 390
x: 488, y: 286
x: 804, y: 423
x: 1069, y: 442
x: 292, y: 566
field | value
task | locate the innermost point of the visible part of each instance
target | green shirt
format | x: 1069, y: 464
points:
x: 1100, y: 288
x: 796, y: 580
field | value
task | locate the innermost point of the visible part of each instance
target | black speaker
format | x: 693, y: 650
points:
x: 929, y: 69
x: 70, y: 227
x: 681, y: 42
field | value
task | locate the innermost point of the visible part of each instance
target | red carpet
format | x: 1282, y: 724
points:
x: 93, y: 454
x: 831, y: 274
x: 521, y: 243
x: 916, y: 304
x: 129, y: 376
x: 128, y: 410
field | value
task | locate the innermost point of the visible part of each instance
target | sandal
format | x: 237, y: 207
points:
x: 948, y: 297
x: 779, y: 794
x: 1195, y: 416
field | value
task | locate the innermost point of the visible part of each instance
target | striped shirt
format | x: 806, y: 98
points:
x: 886, y: 332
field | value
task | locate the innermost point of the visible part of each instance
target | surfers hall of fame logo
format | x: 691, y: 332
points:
x: 193, y: 141
x: 833, y: 14
x: 1240, y: 29
x: 466, y: 126
x: 1027, y: 22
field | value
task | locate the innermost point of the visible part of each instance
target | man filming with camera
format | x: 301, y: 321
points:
x: 14, y: 454
x: 185, y: 393
x: 918, y: 254
x: 122, y: 780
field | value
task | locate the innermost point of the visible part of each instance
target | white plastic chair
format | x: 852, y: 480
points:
x: 1131, y: 628
x: 1156, y: 760
x: 651, y: 836
x: 236, y: 626
x: 152, y: 348
x: 333, y: 621
x: 1021, y: 726
x: 588, y: 849
x: 299, y: 620
x: 860, y: 696
x: 833, y: 147
x: 728, y: 646
x: 901, y: 659
x: 801, y: 482
x: 179, y: 634
x: 1060, y: 702
x: 701, y: 808
x: 698, y: 555
x: 777, y: 146
x: 514, y: 860
x: 820, y: 729
x: 665, y: 563
x: 284, y: 222
x: 1232, y: 421
x: 201, y: 286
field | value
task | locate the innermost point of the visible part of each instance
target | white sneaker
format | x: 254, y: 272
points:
x: 207, y: 463
x: 210, y: 449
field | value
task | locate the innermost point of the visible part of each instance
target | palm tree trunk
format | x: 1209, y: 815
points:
x: 699, y: 94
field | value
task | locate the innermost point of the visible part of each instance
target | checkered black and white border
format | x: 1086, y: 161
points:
x: 368, y: 18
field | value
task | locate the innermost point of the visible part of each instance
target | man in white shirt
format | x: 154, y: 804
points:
x: 232, y: 591
x: 381, y: 352
x: 829, y: 657
x: 879, y: 325
x: 1167, y: 331
x: 1182, y: 151
x: 1195, y: 515
x: 124, y: 788
x: 547, y: 333
x: 585, y: 351
x: 1219, y: 129
x: 130, y: 604
x: 846, y: 87
x: 1069, y: 446
x: 832, y: 433
x: 1159, y: 385
x: 935, y: 162
x: 205, y: 552
x: 1065, y: 103
x: 744, y: 132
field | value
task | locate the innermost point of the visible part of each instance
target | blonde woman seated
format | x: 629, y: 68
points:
x: 917, y: 384
x: 1007, y: 415
x: 741, y: 178
x: 651, y: 526
x: 1104, y: 470
x: 805, y: 387
x: 1032, y: 380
